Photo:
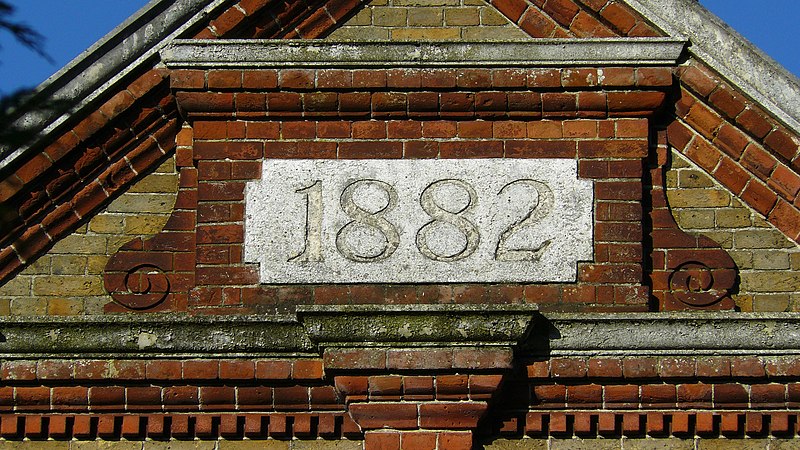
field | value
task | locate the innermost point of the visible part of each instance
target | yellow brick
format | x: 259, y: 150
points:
x: 139, y: 203
x: 474, y: 2
x: 69, y: 265
x: 723, y: 238
x: 760, y: 239
x: 695, y: 219
x: 462, y: 16
x: 672, y: 179
x: 698, y: 198
x: 68, y: 285
x: 744, y: 302
x: 426, y: 2
x: 81, y: 229
x: 770, y: 282
x: 733, y: 218
x: 27, y: 306
x: 509, y: 33
x: 771, y: 260
x: 425, y: 34
x: 363, y: 18
x: 771, y: 303
x: 389, y: 17
x: 164, y: 183
x: 17, y: 286
x: 96, y: 264
x: 64, y: 306
x: 425, y: 17
x: 145, y: 224
x: 759, y: 222
x: 522, y: 444
x: 167, y: 166
x: 80, y: 245
x: 5, y: 306
x: 743, y: 259
x: 694, y: 179
x: 679, y: 162
x: 360, y: 34
x: 491, y: 17
x: 38, y: 267
x: 795, y: 258
x: 95, y: 305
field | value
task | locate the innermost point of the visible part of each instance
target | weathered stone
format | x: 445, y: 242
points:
x: 658, y: 444
x: 479, y: 220
x: 733, y: 444
x: 520, y: 444
x: 585, y: 444
x: 254, y: 445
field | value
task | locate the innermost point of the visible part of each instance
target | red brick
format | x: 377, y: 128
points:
x: 640, y: 367
x: 568, y: 367
x: 380, y: 440
x: 106, y: 397
x: 585, y: 396
x: 748, y: 367
x: 755, y: 122
x: 658, y: 395
x: 385, y: 386
x: 727, y: 100
x: 768, y: 395
x: 260, y: 79
x: 758, y: 161
x: 760, y: 197
x: 369, y: 79
x: 273, y: 370
x: 296, y: 79
x: 731, y: 175
x: 32, y: 398
x: 694, y: 395
x: 512, y: 9
x: 621, y: 396
x: 420, y: 441
x: 370, y: 149
x: 731, y: 141
x: 395, y: 415
x: 200, y: 370
x: 613, y: 149
x: 677, y: 367
x: 605, y: 368
x: 307, y: 369
x: 354, y: 359
x: 783, y: 143
x: 471, y: 149
x: 420, y: 359
x: 713, y: 367
x: 537, y: 24
x: 635, y: 101
x: 540, y: 149
x: 731, y: 395
x: 451, y: 415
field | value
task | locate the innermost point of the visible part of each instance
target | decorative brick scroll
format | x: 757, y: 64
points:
x: 418, y: 221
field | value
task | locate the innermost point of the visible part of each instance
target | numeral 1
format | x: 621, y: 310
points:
x: 312, y: 252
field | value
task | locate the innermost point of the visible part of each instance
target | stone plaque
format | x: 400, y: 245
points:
x: 418, y: 221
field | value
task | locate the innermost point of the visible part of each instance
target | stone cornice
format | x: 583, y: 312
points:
x: 536, y: 53
x: 315, y: 328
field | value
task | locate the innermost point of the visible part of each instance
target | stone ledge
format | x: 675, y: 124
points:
x: 537, y: 53
x: 401, y: 326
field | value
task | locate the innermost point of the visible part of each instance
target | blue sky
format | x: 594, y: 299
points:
x: 70, y: 26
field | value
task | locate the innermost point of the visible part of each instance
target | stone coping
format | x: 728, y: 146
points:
x: 216, y: 53
x: 725, y: 50
x: 314, y: 328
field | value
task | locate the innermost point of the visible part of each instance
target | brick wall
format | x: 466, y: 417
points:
x: 68, y: 280
x: 415, y: 20
x: 768, y: 262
